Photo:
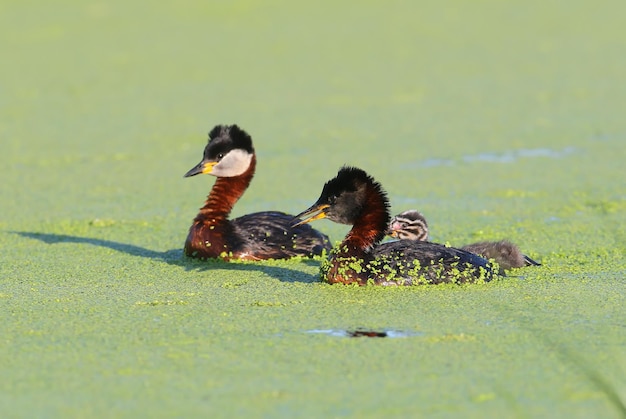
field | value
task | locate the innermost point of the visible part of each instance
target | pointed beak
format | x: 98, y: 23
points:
x: 204, y: 167
x: 392, y: 230
x: 315, y: 212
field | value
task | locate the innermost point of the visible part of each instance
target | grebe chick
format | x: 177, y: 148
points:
x: 353, y: 197
x: 412, y: 225
x: 229, y: 155
x: 507, y: 254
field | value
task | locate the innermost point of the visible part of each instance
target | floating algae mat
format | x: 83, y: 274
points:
x: 495, y: 120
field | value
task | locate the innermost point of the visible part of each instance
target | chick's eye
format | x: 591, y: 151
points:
x: 332, y: 199
x: 220, y: 156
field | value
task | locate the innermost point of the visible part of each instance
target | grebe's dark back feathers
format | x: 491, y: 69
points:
x: 429, y: 252
x: 401, y: 256
x: 271, y: 233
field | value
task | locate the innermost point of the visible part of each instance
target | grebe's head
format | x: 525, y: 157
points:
x: 409, y: 225
x: 228, y: 153
x: 344, y: 197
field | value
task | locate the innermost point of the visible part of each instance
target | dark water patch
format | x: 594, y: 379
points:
x: 368, y: 333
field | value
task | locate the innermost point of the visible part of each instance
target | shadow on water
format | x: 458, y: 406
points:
x: 175, y: 257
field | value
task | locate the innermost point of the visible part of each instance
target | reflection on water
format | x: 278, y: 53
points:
x: 511, y: 156
x: 436, y: 162
x: 370, y: 333
x: 505, y: 157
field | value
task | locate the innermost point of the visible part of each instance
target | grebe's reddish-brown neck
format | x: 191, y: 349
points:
x: 224, y: 195
x: 370, y: 226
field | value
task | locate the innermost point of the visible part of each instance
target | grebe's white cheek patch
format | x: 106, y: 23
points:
x: 234, y: 163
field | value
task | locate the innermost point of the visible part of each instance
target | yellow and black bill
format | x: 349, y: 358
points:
x: 204, y: 167
x: 315, y: 212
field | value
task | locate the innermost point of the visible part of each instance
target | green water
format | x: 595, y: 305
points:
x: 495, y: 119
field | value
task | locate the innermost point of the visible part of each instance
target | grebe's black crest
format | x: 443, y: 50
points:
x: 353, y: 197
x: 229, y: 156
x: 345, y: 195
x: 224, y: 138
x: 228, y: 153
